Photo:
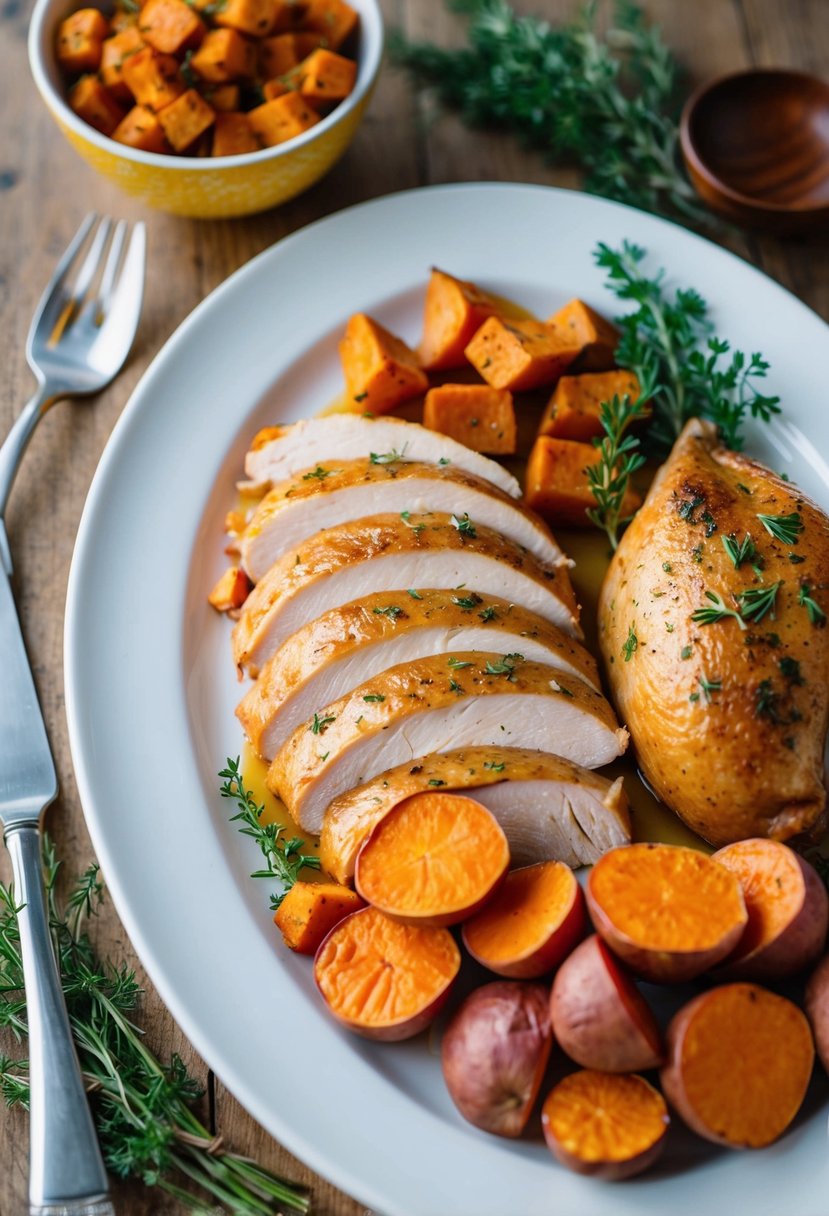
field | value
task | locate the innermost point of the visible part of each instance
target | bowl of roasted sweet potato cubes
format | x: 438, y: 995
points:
x: 209, y: 108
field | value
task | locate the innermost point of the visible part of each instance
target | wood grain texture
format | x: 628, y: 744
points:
x: 45, y: 190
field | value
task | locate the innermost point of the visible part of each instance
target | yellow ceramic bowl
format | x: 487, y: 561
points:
x: 208, y: 188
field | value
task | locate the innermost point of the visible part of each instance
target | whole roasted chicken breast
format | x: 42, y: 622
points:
x: 712, y: 620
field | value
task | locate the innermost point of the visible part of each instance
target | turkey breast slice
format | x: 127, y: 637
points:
x: 348, y: 645
x: 387, y: 552
x: 337, y: 491
x: 435, y: 705
x: 279, y: 452
x: 547, y: 806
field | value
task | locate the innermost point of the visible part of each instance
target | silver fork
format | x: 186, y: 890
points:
x: 79, y: 339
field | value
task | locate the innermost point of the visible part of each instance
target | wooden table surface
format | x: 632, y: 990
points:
x: 44, y: 192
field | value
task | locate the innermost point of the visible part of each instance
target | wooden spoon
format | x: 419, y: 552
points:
x: 756, y: 145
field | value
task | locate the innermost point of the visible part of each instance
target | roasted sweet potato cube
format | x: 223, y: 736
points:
x: 140, y: 128
x: 573, y: 411
x: 113, y: 55
x: 310, y: 910
x: 519, y: 354
x: 94, y: 103
x: 171, y: 26
x: 80, y: 39
x: 282, y: 119
x: 595, y: 337
x: 381, y: 371
x: 225, y: 97
x: 326, y: 77
x: 153, y: 79
x: 453, y: 311
x: 230, y: 591
x: 122, y: 19
x: 254, y: 17
x: 288, y: 15
x: 557, y: 485
x: 334, y: 20
x: 232, y: 135
x: 481, y: 417
x: 224, y: 55
x: 275, y: 88
x: 186, y: 119
x: 279, y: 54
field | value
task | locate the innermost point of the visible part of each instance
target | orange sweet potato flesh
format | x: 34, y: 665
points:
x: 556, y: 484
x: 334, y: 20
x: 574, y: 409
x: 80, y: 40
x: 670, y: 913
x: 252, y: 17
x: 230, y: 591
x: 113, y: 55
x: 188, y: 117
x: 433, y: 860
x: 170, y: 26
x: 531, y: 924
x: 788, y: 910
x: 380, y: 370
x: 453, y: 310
x: 153, y: 79
x: 739, y: 1062
x: 282, y: 118
x: 223, y: 56
x: 232, y: 135
x: 92, y: 102
x: 326, y: 77
x: 385, y: 980
x: 481, y: 417
x: 594, y: 337
x: 518, y: 354
x: 607, y: 1125
x: 140, y: 128
x: 310, y: 910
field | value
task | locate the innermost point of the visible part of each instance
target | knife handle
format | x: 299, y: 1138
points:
x: 66, y: 1171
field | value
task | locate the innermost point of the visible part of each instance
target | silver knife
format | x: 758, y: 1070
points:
x: 66, y: 1173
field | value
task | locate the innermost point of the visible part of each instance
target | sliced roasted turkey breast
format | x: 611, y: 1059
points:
x: 434, y: 705
x: 548, y: 806
x: 346, y: 646
x: 390, y: 552
x: 337, y: 491
x: 279, y: 452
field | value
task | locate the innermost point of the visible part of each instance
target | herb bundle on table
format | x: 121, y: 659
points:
x: 143, y: 1109
x: 605, y: 102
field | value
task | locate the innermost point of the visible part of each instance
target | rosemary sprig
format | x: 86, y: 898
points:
x: 710, y: 616
x: 606, y: 102
x: 758, y: 602
x: 141, y: 1106
x: 666, y: 340
x: 785, y: 528
x: 284, y: 859
x: 739, y: 552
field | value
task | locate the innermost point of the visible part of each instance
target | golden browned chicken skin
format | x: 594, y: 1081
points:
x: 728, y: 713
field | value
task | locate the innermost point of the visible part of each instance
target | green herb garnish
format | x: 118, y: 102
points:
x: 758, y: 602
x: 785, y: 528
x: 816, y: 614
x: 504, y: 666
x: 142, y: 1107
x: 710, y: 616
x: 320, y: 725
x: 739, y: 553
x: 619, y: 458
x: 464, y: 525
x: 392, y: 611
x: 630, y: 645
x: 391, y: 457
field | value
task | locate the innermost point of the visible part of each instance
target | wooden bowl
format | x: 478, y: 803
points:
x: 756, y: 145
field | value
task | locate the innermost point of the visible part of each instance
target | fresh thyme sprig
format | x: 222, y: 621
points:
x: 284, y: 859
x: 142, y: 1108
x: 619, y: 458
x: 710, y: 616
x: 666, y: 340
x: 607, y: 102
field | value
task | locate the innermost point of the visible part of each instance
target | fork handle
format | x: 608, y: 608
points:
x: 66, y: 1172
x: 11, y: 453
